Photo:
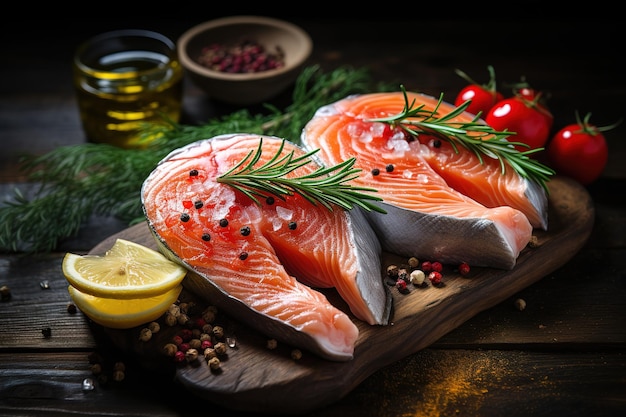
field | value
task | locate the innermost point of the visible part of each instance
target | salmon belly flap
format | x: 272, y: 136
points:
x: 442, y: 204
x: 265, y: 262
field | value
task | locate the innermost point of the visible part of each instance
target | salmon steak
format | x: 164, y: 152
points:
x: 443, y: 203
x: 264, y: 261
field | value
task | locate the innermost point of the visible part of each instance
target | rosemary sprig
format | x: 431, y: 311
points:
x: 75, y: 182
x: 325, y: 185
x: 476, y: 136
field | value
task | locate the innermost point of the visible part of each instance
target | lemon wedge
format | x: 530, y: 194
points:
x: 126, y: 271
x: 124, y: 313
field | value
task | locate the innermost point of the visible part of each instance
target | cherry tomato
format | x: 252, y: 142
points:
x: 482, y: 96
x: 530, y: 121
x: 579, y: 150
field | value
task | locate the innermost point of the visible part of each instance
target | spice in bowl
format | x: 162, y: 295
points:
x: 243, y: 57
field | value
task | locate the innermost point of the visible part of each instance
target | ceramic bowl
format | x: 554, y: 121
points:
x: 280, y: 40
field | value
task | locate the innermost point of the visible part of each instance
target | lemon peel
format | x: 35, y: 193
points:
x: 123, y: 313
x: 126, y: 271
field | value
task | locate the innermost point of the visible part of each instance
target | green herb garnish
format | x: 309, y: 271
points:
x: 325, y: 185
x: 476, y: 136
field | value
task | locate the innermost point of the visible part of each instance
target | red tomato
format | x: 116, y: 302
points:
x: 482, y: 97
x: 579, y: 151
x: 530, y: 122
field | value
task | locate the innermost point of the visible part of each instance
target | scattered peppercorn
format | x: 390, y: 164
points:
x: 271, y: 344
x: 223, y: 222
x: 182, y: 319
x: 520, y: 304
x: 417, y: 277
x: 296, y: 354
x: 220, y: 348
x: 435, y: 277
x: 464, y: 268
x: 179, y: 356
x: 193, y: 173
x: 436, y: 266
x: 198, y: 204
x: 437, y: 143
x: 214, y: 363
x: 413, y: 262
x: 269, y: 200
x: 191, y: 355
x: 245, y: 231
x: 392, y: 271
x: 292, y: 225
x: 389, y: 168
x: 170, y: 349
x: 403, y: 274
x: 375, y: 171
x: 185, y: 217
x: 243, y: 256
x: 145, y: 334
x: 218, y: 331
x: 401, y: 285
x: 118, y: 376
x: 5, y: 293
x: 71, y: 308
x: 46, y: 332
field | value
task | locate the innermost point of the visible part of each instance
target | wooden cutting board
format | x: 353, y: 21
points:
x: 255, y: 378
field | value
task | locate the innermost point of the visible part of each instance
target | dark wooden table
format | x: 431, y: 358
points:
x: 563, y: 355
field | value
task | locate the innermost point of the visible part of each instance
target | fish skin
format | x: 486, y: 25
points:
x: 295, y: 313
x: 425, y: 216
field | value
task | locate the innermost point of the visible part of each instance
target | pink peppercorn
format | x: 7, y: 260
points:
x: 427, y: 266
x: 184, y: 347
x: 464, y: 268
x: 435, y: 277
x: 186, y: 335
x: 177, y: 340
x: 436, y: 266
x: 206, y: 344
x: 179, y: 357
x: 401, y: 285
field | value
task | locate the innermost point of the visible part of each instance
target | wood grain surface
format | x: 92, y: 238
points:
x: 255, y: 378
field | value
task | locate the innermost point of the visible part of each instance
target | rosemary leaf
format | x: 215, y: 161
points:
x: 474, y: 136
x: 325, y: 185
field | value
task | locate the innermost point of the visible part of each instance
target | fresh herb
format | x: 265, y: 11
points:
x: 76, y: 182
x: 325, y: 185
x: 476, y: 136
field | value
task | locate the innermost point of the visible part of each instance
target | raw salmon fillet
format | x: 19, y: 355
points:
x: 261, y: 262
x: 441, y: 205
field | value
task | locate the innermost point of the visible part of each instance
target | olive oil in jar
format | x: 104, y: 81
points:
x: 123, y: 80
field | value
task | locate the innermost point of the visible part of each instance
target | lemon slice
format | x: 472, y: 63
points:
x: 127, y: 270
x: 123, y: 313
